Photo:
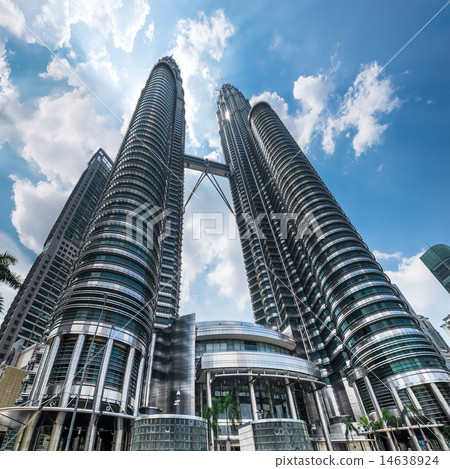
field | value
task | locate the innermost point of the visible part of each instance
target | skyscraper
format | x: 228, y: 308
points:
x: 437, y: 259
x: 125, y: 281
x: 311, y: 275
x: 338, y: 339
x: 29, y: 313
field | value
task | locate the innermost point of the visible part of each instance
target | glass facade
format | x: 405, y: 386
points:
x: 170, y: 433
x: 437, y: 259
x: 33, y: 305
x: 281, y: 435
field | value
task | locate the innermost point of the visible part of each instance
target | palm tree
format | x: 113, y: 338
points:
x: 411, y: 410
x: 231, y: 414
x: 350, y: 428
x: 6, y: 275
x: 211, y: 414
x: 367, y: 425
x: 390, y: 420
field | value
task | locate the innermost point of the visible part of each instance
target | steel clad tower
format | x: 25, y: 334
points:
x: 309, y: 271
x: 125, y: 281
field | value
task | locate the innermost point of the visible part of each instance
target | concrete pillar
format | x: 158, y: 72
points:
x: 27, y: 435
x: 290, y: 399
x: 119, y: 435
x: 137, y: 397
x: 41, y: 369
x: 57, y: 429
x: 126, y: 379
x: 442, y: 443
x: 72, y: 370
x: 251, y: 388
x: 412, y: 435
x: 40, y: 389
x: 96, y: 404
x: 443, y: 403
x: 208, y: 389
x: 323, y: 421
x: 18, y: 439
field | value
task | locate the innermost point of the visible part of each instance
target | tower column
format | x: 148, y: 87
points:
x: 118, y: 435
x: 139, y: 386
x: 290, y: 399
x: 323, y: 421
x: 411, y: 433
x: 57, y: 429
x: 374, y: 400
x: 251, y: 388
x: 39, y: 392
x: 96, y: 403
x: 72, y: 370
x: 126, y: 380
x: 443, y: 403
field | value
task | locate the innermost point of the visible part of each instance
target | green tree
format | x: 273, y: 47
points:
x: 412, y: 411
x: 6, y: 275
x: 211, y: 414
x: 368, y: 426
x: 232, y: 415
x: 350, y: 428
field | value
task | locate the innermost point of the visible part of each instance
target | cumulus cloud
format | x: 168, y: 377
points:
x: 385, y: 256
x: 199, y: 45
x: 211, y: 251
x: 52, y: 20
x: 12, y: 18
x: 36, y: 209
x: 366, y: 100
x: 56, y: 134
x: 228, y: 274
x: 9, y: 102
x: 425, y: 294
x: 312, y: 93
x: 63, y: 132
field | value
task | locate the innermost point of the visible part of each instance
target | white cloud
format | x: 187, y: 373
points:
x: 52, y: 21
x: 63, y: 132
x: 364, y: 101
x: 9, y: 101
x: 385, y: 256
x: 278, y: 104
x: 421, y: 289
x: 36, y: 209
x: 227, y: 275
x: 199, y: 45
x: 57, y: 135
x: 150, y: 32
x: 369, y: 97
x: 312, y: 92
x: 12, y: 18
x: 220, y: 252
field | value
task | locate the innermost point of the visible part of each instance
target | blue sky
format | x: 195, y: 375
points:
x: 372, y: 117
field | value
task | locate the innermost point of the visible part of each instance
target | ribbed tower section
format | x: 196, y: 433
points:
x: 360, y: 314
x: 106, y: 315
x: 271, y: 278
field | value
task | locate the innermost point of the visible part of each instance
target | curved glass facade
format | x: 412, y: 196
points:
x: 127, y: 277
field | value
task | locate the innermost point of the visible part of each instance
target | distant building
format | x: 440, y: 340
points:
x: 437, y: 259
x: 436, y: 336
x: 30, y: 310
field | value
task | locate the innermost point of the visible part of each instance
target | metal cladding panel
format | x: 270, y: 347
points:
x: 259, y: 360
x: 242, y: 330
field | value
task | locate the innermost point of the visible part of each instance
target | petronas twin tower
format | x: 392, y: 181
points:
x: 107, y: 357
